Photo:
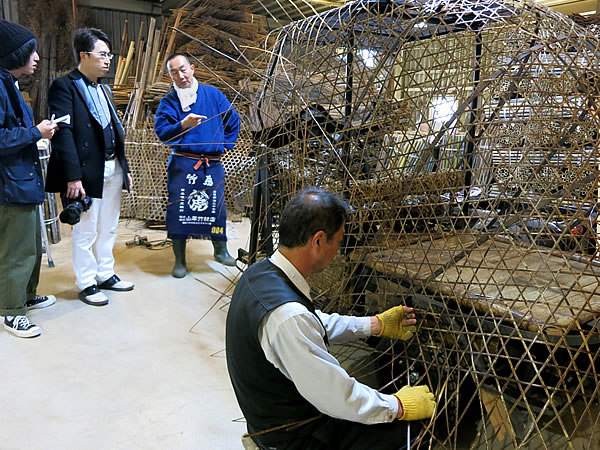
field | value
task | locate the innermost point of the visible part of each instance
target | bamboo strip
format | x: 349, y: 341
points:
x: 154, y: 58
x: 121, y: 58
x: 144, y: 76
x: 125, y: 72
x: 169, y: 48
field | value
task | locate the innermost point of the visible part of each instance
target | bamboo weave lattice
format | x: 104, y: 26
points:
x: 148, y: 159
x: 464, y: 136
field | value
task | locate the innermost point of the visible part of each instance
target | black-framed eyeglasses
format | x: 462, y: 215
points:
x: 102, y: 55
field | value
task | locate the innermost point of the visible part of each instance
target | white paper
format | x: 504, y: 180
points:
x: 64, y: 119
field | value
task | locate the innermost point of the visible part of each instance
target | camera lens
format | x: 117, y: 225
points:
x: 86, y: 203
x: 71, y: 214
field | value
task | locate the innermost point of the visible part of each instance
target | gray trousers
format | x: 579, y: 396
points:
x: 20, y: 257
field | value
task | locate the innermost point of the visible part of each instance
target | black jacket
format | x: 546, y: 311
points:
x: 20, y: 173
x: 78, y: 148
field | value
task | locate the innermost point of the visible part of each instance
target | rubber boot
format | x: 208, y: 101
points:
x: 179, y: 269
x: 221, y: 253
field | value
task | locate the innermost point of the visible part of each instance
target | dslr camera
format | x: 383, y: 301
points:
x: 73, y: 208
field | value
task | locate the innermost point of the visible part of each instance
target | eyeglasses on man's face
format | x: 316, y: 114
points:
x: 103, y: 55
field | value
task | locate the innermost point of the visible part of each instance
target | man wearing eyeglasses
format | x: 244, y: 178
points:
x: 88, y: 160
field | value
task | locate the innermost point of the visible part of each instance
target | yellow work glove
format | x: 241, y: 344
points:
x: 392, y: 324
x: 417, y: 402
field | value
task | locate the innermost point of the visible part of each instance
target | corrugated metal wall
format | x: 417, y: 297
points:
x: 112, y: 22
x: 8, y: 10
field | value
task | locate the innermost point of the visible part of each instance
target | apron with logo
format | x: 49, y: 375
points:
x: 196, y: 205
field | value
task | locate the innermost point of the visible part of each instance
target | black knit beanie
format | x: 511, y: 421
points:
x: 12, y: 37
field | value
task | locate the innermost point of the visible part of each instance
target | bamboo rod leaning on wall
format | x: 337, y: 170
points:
x: 154, y: 58
x: 169, y: 48
x: 156, y: 69
x: 125, y: 72
x: 140, y: 53
x: 144, y: 76
x: 121, y: 59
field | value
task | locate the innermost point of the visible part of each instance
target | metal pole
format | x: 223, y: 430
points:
x: 45, y: 242
x: 470, y: 149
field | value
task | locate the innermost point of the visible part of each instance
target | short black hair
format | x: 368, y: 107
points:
x: 20, y: 57
x: 84, y: 40
x: 311, y: 210
x: 173, y: 56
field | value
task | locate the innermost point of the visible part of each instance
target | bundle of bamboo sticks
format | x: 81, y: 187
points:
x: 222, y: 40
x: 136, y: 70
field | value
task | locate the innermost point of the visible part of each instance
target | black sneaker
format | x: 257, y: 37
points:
x: 21, y: 326
x: 41, y: 301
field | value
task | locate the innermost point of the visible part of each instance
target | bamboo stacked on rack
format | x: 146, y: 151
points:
x: 222, y: 40
x: 143, y: 81
x: 128, y: 68
x: 131, y: 84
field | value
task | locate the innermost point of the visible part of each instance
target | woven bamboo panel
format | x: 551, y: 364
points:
x: 464, y: 134
x: 148, y: 159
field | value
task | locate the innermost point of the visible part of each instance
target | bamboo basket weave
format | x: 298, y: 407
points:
x: 148, y: 158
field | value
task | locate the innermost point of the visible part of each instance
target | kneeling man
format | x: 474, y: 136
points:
x: 292, y: 391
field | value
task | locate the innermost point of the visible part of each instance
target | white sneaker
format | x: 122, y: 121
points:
x: 21, y: 326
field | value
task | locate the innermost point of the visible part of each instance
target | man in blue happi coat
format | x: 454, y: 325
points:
x: 199, y: 123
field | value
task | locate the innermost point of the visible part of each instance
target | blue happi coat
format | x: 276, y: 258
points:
x: 196, y: 205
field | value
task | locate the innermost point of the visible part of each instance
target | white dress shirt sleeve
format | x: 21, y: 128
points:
x: 345, y: 328
x: 292, y: 340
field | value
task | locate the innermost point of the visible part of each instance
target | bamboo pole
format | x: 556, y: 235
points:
x: 154, y: 58
x: 74, y: 7
x: 171, y: 42
x: 121, y: 59
x: 163, y: 40
x: 140, y: 53
x: 148, y: 53
x: 156, y: 68
x: 125, y: 72
x: 146, y: 67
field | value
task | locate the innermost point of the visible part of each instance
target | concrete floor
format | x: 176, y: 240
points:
x: 147, y: 371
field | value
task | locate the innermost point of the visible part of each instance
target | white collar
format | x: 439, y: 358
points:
x: 187, y: 96
x: 291, y: 272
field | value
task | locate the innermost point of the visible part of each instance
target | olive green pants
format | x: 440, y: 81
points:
x: 20, y: 257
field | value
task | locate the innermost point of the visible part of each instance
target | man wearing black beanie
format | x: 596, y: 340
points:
x: 21, y: 184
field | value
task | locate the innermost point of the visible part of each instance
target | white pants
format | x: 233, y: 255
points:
x: 94, y: 236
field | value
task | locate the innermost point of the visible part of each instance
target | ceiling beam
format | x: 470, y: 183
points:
x: 137, y: 6
x: 569, y: 7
